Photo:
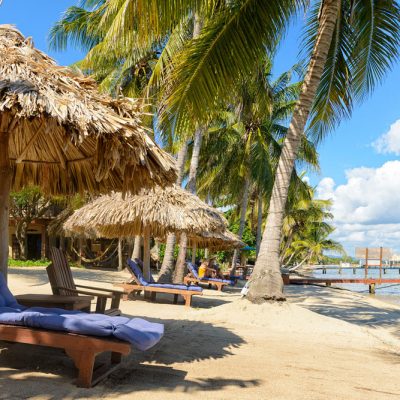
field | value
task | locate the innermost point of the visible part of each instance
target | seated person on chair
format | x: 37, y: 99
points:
x: 205, y: 271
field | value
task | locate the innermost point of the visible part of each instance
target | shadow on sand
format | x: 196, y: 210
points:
x: 29, y: 371
x: 357, y: 311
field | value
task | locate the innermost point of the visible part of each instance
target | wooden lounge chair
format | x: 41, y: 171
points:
x: 193, y: 278
x: 139, y: 284
x: 62, y: 283
x: 81, y: 348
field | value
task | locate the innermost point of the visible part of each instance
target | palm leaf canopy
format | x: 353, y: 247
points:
x: 216, y: 240
x: 66, y: 137
x: 160, y: 211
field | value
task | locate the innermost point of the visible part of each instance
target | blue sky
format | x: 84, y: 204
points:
x: 352, y: 168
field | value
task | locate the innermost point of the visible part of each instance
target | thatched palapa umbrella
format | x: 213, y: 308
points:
x: 216, y: 240
x: 157, y: 211
x: 58, y: 132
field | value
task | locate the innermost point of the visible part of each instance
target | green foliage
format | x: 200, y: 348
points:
x: 28, y: 263
x: 26, y: 196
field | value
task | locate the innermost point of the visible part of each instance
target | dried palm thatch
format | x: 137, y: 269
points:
x: 56, y: 226
x: 216, y: 240
x: 66, y: 137
x: 58, y: 132
x: 157, y: 210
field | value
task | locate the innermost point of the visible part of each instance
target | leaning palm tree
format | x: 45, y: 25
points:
x: 311, y: 245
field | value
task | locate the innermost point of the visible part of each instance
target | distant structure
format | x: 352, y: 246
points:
x: 374, y: 256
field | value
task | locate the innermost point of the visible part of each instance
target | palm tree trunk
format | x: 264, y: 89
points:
x: 181, y: 260
x: 259, y: 221
x: 146, y: 255
x: 137, y: 248
x: 167, y: 266
x: 266, y: 280
x: 194, y: 164
x: 5, y: 185
x: 242, y: 224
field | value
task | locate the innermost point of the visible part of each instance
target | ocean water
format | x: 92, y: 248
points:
x: 387, y: 292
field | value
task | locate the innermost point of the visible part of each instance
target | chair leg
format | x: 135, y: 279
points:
x: 84, y: 362
x: 101, y: 304
x: 153, y: 296
x: 116, y: 300
x: 188, y: 300
x: 176, y: 299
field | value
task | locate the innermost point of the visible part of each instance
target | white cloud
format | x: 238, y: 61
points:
x: 366, y: 208
x: 389, y: 142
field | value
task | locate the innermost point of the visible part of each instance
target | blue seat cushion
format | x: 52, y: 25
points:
x: 137, y: 272
x: 215, y: 280
x: 6, y: 297
x: 180, y: 287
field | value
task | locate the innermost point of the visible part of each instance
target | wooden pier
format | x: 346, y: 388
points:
x: 371, y: 282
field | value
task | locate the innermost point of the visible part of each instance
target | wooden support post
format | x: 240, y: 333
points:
x: 372, y: 288
x: 120, y: 255
x: 194, y: 250
x: 146, y: 254
x: 5, y: 185
x: 328, y: 284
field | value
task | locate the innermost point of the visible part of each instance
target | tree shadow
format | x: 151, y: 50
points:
x: 49, y: 372
x: 358, y: 311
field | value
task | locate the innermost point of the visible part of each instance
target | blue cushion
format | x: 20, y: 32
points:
x: 6, y: 297
x: 137, y: 272
x: 172, y: 286
x: 140, y: 333
x: 215, y: 280
x: 192, y: 269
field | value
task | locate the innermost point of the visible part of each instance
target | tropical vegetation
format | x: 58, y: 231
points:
x: 200, y: 65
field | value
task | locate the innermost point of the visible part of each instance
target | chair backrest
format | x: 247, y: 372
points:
x: 192, y: 269
x: 141, y: 266
x: 52, y: 279
x: 60, y: 273
x: 136, y: 273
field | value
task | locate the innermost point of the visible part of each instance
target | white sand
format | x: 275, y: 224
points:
x: 322, y: 344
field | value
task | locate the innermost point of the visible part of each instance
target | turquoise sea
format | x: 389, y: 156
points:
x: 388, y: 292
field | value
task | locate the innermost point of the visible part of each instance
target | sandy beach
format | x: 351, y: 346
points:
x: 322, y: 343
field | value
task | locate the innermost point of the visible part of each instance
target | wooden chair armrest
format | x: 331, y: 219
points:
x: 116, y: 291
x: 87, y: 292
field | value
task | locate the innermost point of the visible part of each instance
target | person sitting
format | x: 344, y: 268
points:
x: 205, y: 271
x: 214, y: 267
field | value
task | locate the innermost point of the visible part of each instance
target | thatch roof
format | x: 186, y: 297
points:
x: 216, y: 240
x: 56, y: 226
x: 159, y: 210
x: 64, y: 135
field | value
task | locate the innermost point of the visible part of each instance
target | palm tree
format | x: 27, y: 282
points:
x: 311, y: 246
x: 352, y: 45
x: 243, y: 145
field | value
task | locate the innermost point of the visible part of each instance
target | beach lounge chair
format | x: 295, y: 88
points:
x: 83, y: 336
x: 62, y: 283
x: 138, y: 284
x: 193, y: 278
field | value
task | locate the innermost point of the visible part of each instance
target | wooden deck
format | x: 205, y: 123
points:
x: 371, y: 282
